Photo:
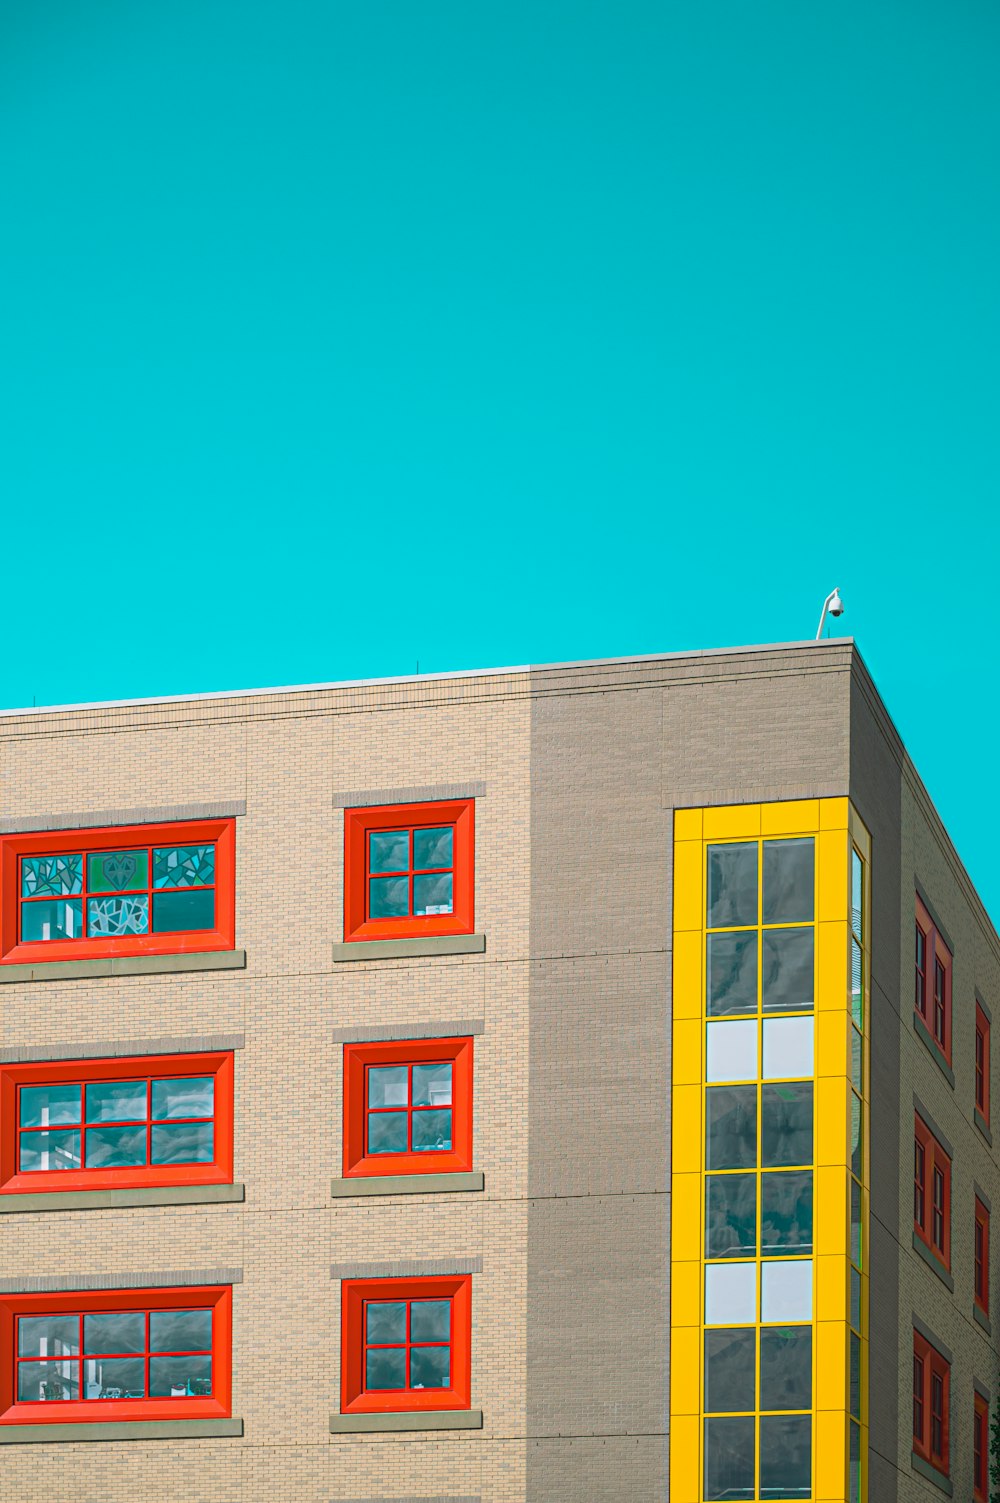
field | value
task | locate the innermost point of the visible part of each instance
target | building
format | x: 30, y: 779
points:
x: 561, y: 1084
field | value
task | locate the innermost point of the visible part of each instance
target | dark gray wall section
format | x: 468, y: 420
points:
x: 876, y: 791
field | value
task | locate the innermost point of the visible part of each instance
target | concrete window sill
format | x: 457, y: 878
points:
x: 125, y: 965
x: 931, y: 1473
x: 982, y: 1320
x: 404, y: 949
x: 104, y: 1200
x: 407, y: 1184
x: 931, y: 1045
x: 193, y: 1429
x: 981, y: 1123
x: 383, y: 1424
x: 933, y: 1262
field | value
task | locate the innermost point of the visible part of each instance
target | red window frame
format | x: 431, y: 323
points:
x: 982, y: 1064
x: 357, y: 1060
x: 932, y: 981
x: 981, y: 1257
x: 356, y: 1293
x: 219, y: 832
x: 931, y: 1385
x: 931, y: 1192
x: 980, y: 1448
x: 360, y: 823
x: 89, y: 1071
x: 218, y: 1405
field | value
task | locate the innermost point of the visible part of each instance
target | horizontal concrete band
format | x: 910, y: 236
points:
x: 428, y: 793
x: 158, y: 1279
x: 375, y: 1033
x: 407, y: 1268
x: 751, y: 793
x: 125, y: 965
x: 95, y: 819
x: 405, y: 1184
x: 206, y: 1043
x: 433, y: 1419
x: 105, y: 1200
x: 437, y: 1498
x: 404, y: 949
x: 193, y: 1429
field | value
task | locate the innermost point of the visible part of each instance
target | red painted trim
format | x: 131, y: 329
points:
x: 354, y: 1293
x: 221, y: 832
x: 934, y: 1159
x: 982, y: 1064
x: 932, y: 991
x: 218, y: 1406
x: 981, y: 1257
x: 928, y: 1365
x: 357, y: 1057
x: 980, y: 1448
x: 87, y: 1071
x: 358, y: 823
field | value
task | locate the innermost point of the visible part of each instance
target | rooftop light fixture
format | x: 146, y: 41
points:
x: 834, y: 605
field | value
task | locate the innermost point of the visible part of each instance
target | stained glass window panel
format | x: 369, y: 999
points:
x: 117, y: 871
x: 184, y: 866
x: 51, y: 876
x: 117, y: 916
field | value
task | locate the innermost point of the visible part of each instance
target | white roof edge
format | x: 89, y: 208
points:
x: 414, y: 678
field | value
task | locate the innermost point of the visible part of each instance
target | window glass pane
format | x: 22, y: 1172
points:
x: 49, y: 1105
x: 786, y: 1290
x: 48, y: 1336
x: 179, y: 1377
x: 786, y: 1213
x: 117, y: 871
x: 387, y: 1132
x: 389, y: 851
x: 184, y: 1096
x: 184, y: 866
x: 41, y: 1381
x: 786, y: 1456
x: 385, y: 1367
x: 183, y: 1143
x: 114, y: 916
x: 855, y: 1299
x: 388, y: 897
x: 855, y: 1134
x: 732, y: 885
x: 857, y: 983
x: 732, y: 973
x: 854, y: 1472
x: 430, y: 1366
x: 786, y: 1367
x: 431, y: 1130
x: 385, y: 1321
x: 788, y: 881
x: 432, y: 1085
x: 787, y: 1124
x: 114, y: 1378
x: 117, y: 1101
x: 730, y: 1363
x: 43, y: 1151
x: 730, y: 1215
x: 857, y: 894
x: 52, y: 920
x: 430, y: 1320
x: 432, y: 848
x: 180, y: 1330
x: 176, y: 911
x: 787, y: 970
x: 115, y: 1147
x: 856, y: 1061
x: 388, y: 1085
x: 50, y: 876
x: 855, y: 1374
x: 433, y: 894
x: 731, y: 1050
x: 117, y: 1331
x: 730, y: 1294
x: 788, y: 1047
x: 731, y: 1127
x: 729, y: 1459
x: 856, y: 1249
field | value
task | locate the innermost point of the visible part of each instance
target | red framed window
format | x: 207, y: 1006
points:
x: 982, y: 1064
x: 980, y: 1449
x: 931, y: 1382
x: 99, y: 1124
x: 408, y: 870
x: 408, y: 1107
x: 134, y: 890
x: 931, y: 1192
x: 981, y: 1258
x: 406, y: 1344
x: 932, y: 980
x: 118, y: 1354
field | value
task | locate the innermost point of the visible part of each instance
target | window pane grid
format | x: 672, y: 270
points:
x: 410, y: 872
x: 408, y: 1349
x: 79, y: 1372
x: 428, y: 1125
x: 100, y: 894
x: 91, y: 1138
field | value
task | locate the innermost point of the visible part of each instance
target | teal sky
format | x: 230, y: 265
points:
x: 338, y: 337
